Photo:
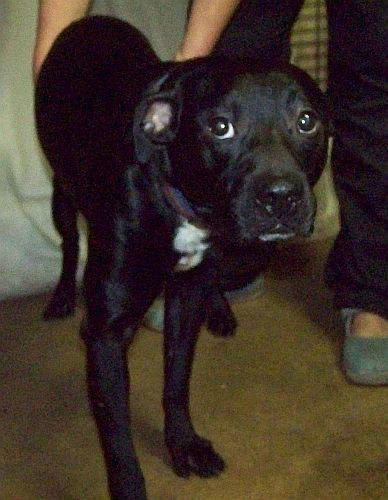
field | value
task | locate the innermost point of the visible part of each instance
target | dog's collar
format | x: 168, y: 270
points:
x: 179, y: 203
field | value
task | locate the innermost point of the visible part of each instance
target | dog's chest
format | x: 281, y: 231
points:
x: 191, y: 243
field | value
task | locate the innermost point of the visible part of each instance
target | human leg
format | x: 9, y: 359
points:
x: 358, y: 264
x: 260, y: 29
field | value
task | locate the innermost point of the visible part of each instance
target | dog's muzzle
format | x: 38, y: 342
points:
x: 274, y: 209
x: 281, y: 202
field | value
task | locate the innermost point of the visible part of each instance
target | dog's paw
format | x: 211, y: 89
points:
x: 196, y: 457
x: 61, y: 305
x: 220, y: 319
x: 222, y: 326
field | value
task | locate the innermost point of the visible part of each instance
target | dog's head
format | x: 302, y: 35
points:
x: 245, y: 143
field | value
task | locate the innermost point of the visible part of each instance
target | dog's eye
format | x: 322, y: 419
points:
x: 222, y: 128
x: 307, y: 122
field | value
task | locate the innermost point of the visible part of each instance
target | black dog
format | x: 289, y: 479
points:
x: 182, y: 171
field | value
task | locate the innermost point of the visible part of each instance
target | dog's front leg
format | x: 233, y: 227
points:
x: 108, y: 392
x: 185, y: 313
x: 117, y: 296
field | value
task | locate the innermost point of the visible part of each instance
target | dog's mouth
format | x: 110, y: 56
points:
x: 296, y: 219
x: 278, y: 233
x: 272, y: 208
x: 297, y: 222
x: 271, y: 231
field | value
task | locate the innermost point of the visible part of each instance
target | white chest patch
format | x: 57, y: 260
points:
x: 191, y: 242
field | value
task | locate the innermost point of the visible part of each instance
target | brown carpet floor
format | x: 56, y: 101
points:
x: 272, y: 399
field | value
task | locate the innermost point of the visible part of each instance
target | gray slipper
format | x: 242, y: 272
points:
x: 365, y: 359
x: 154, y: 317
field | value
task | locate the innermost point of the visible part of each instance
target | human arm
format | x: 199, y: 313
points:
x: 207, y: 21
x: 53, y: 17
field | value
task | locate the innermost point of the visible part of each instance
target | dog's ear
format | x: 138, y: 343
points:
x: 156, y: 121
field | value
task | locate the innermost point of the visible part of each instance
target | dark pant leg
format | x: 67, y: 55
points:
x: 358, y: 85
x: 260, y: 29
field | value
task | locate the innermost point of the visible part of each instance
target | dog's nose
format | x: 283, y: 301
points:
x: 281, y: 196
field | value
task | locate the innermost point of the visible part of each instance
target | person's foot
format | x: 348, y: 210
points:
x: 365, y: 350
x: 369, y: 325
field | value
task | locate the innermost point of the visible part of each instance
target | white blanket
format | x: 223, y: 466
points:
x: 29, y: 246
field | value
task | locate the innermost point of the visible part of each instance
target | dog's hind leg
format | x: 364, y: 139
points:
x: 220, y: 318
x: 64, y: 215
x: 185, y: 313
